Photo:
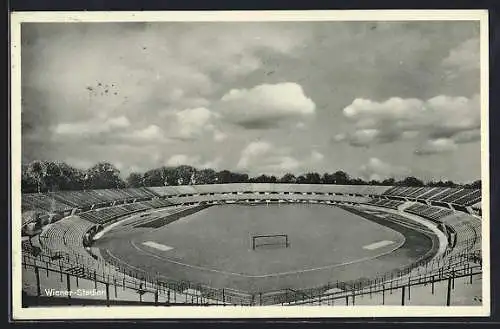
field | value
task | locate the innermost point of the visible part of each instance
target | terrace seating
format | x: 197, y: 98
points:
x: 66, y: 234
x: 430, y: 192
x: 79, y: 198
x: 473, y: 197
x: 45, y: 201
x: 443, y: 194
x: 414, y: 191
x: 392, y: 204
x: 163, y: 190
x: 157, y: 203
x: 433, y: 213
x: 28, y: 217
x: 464, y: 197
x: 105, y: 215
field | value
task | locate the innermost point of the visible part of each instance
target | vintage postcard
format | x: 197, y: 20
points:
x: 249, y: 164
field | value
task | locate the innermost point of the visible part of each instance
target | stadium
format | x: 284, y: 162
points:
x: 253, y: 244
x: 283, y: 162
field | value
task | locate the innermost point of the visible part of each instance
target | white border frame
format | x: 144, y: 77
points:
x: 194, y: 312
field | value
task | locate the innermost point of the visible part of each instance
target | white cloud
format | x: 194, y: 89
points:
x: 92, y: 127
x: 149, y: 133
x: 376, y: 169
x: 182, y: 159
x: 281, y: 164
x: 219, y: 136
x: 300, y: 125
x: 317, y: 156
x: 194, y: 122
x: 215, y: 47
x: 467, y: 136
x: 211, y: 164
x: 396, y: 118
x: 436, y: 146
x: 266, y: 105
x: 264, y: 157
x: 253, y: 151
x: 465, y: 57
x: 339, y: 137
x: 195, y: 161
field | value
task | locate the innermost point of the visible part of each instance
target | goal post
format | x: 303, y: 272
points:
x: 276, y: 240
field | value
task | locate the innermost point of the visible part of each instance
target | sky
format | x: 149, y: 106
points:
x: 375, y: 99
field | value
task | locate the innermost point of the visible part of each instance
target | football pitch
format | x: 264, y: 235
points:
x: 214, y: 247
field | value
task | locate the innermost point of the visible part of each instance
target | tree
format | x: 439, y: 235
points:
x: 264, y: 179
x: 153, y: 177
x: 475, y: 185
x: 449, y: 183
x: 388, y: 182
x: 313, y: 178
x: 288, y: 178
x: 104, y: 175
x: 28, y: 182
x: 341, y: 178
x: 206, y: 176
x: 53, y: 176
x: 301, y: 180
x: 411, y: 181
x: 239, y: 178
x: 134, y: 180
x: 224, y: 177
x: 183, y: 174
x: 357, y: 181
x: 328, y: 179
x: 71, y: 178
x: 169, y: 176
x: 36, y: 170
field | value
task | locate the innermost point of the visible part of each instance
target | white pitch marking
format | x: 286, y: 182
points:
x: 158, y: 246
x: 271, y: 274
x: 377, y: 245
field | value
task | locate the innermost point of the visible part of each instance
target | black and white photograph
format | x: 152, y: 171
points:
x: 237, y: 164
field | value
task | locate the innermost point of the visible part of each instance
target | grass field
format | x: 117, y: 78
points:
x: 213, y: 247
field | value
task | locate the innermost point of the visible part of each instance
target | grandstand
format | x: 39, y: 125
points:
x: 84, y: 213
x: 446, y: 195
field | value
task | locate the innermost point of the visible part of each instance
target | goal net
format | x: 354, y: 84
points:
x: 270, y: 241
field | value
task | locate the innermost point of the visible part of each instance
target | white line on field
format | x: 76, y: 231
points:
x: 270, y: 274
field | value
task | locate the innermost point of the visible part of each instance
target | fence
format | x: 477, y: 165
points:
x: 45, y: 280
x: 140, y: 284
x: 64, y: 276
x: 402, y: 285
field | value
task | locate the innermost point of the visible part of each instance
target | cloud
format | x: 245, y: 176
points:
x: 182, y: 159
x: 316, y: 156
x: 264, y: 157
x: 160, y: 69
x: 300, y: 125
x: 266, y: 105
x: 467, y: 136
x: 148, y: 134
x: 253, y: 151
x: 436, y: 146
x: 465, y: 57
x: 194, y: 122
x: 376, y: 169
x: 214, y: 47
x: 396, y: 118
x: 92, y: 127
x: 195, y: 161
x: 219, y: 136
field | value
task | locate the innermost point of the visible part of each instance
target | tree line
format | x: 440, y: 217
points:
x: 45, y: 176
